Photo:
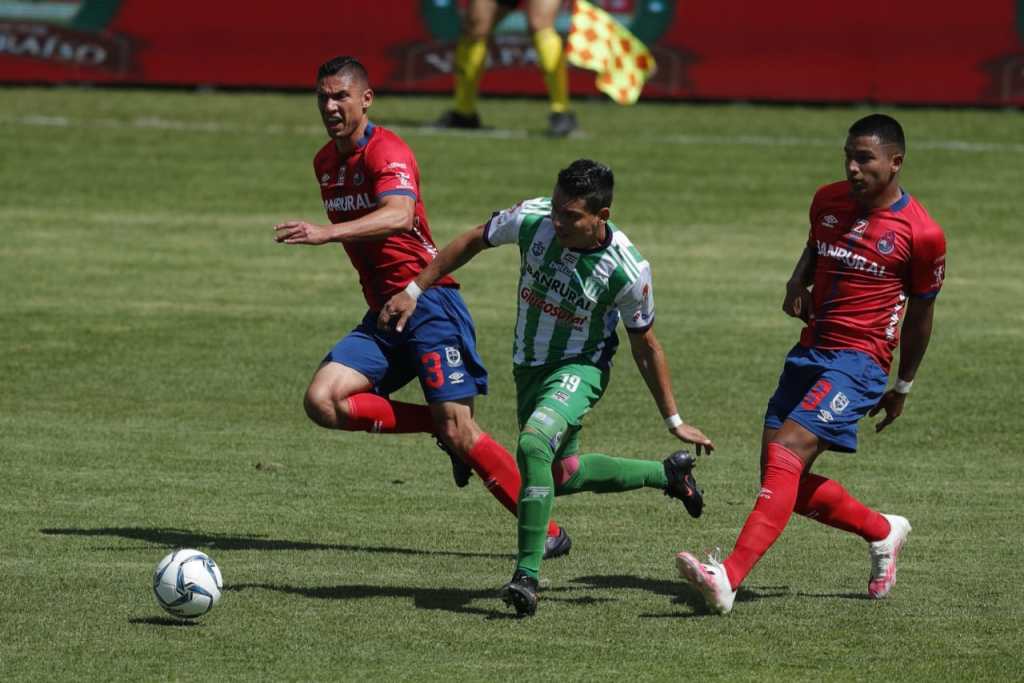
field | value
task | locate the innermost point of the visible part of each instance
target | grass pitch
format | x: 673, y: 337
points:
x: 156, y: 343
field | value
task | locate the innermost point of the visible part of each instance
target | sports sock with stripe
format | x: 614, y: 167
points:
x: 605, y: 474
x: 372, y: 413
x: 497, y: 470
x: 826, y: 501
x: 771, y: 512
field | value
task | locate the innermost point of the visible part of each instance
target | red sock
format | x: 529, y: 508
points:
x: 497, y: 470
x: 771, y: 512
x: 372, y: 413
x: 828, y: 502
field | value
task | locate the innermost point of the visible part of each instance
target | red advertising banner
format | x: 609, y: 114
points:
x: 911, y: 51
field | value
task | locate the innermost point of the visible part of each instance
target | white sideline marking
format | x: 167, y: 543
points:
x: 160, y: 123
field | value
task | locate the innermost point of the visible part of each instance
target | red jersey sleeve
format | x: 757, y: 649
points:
x: 393, y: 168
x: 927, y: 261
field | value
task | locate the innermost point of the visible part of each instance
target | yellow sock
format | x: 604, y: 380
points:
x: 470, y: 56
x: 552, y: 60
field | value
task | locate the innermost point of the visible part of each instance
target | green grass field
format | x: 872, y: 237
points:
x: 155, y: 343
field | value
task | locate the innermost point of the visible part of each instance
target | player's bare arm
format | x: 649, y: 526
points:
x: 914, y: 338
x: 797, y: 302
x: 456, y: 254
x: 650, y: 360
x: 394, y: 215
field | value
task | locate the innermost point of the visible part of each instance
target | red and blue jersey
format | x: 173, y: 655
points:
x: 381, y: 165
x: 867, y: 265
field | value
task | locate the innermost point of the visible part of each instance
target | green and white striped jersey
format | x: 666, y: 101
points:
x: 570, y: 301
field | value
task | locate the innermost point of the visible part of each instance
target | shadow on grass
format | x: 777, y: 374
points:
x: 181, y: 538
x: 163, y: 621
x: 681, y: 593
x: 445, y: 599
x: 844, y: 596
x: 413, y: 126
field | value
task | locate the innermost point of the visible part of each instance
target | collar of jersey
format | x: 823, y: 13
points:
x: 367, y: 134
x: 604, y: 244
x: 900, y: 203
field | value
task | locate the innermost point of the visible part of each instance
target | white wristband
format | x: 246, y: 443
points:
x: 902, y: 387
x: 673, y: 421
x: 413, y: 290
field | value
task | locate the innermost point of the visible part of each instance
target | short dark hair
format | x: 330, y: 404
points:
x: 589, y: 180
x: 343, y: 64
x: 887, y: 129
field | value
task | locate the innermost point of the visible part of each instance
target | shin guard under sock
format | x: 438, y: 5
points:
x: 826, y: 501
x: 497, y: 470
x: 372, y: 413
x: 604, y: 474
x: 534, y: 457
x: 771, y: 512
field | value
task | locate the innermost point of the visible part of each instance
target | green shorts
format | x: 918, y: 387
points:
x: 569, y: 389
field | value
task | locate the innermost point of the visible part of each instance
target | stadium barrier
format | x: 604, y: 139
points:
x: 911, y: 51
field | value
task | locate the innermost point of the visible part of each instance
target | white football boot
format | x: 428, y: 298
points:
x: 883, y: 557
x: 710, y: 579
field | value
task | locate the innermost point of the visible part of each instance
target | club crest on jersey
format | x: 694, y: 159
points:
x: 358, y: 177
x: 453, y: 355
x: 593, y: 287
x: 829, y: 221
x: 839, y: 402
x: 537, y: 249
x: 887, y: 243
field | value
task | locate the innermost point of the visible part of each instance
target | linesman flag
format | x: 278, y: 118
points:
x: 599, y: 43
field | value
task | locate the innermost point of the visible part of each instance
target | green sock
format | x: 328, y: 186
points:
x: 604, y: 474
x: 534, y: 457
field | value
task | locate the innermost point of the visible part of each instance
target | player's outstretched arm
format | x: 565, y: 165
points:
x: 650, y: 360
x: 393, y: 215
x: 915, y: 335
x: 797, y: 302
x: 455, y: 255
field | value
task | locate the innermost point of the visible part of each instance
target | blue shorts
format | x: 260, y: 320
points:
x: 438, y: 345
x: 827, y: 393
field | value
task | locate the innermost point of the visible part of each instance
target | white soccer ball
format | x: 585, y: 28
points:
x: 187, y: 583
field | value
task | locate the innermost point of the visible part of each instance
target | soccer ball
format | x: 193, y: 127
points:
x: 187, y: 583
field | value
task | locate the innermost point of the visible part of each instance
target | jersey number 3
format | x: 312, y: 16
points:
x: 434, y: 374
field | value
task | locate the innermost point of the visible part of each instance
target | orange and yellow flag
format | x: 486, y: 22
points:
x: 599, y: 43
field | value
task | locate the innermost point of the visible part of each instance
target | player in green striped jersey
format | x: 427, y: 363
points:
x: 579, y: 275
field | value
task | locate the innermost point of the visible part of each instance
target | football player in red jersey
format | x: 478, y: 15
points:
x: 873, y: 256
x: 369, y: 181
